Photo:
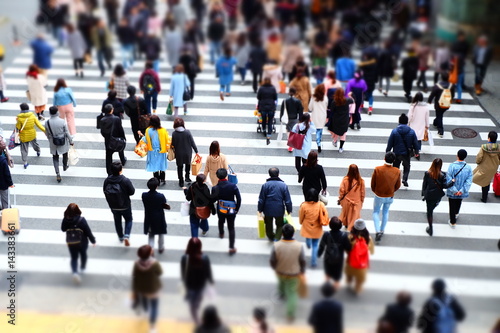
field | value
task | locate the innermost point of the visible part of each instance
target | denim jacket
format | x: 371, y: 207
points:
x: 463, y: 180
x: 64, y: 96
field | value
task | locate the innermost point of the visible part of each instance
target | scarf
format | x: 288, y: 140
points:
x: 32, y: 74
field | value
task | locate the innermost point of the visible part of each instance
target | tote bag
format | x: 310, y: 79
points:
x: 296, y: 140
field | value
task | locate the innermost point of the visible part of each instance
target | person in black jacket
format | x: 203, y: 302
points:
x: 435, y: 95
x: 199, y: 195
x: 327, y: 315
x: 111, y: 125
x: 410, y: 71
x: 370, y: 75
x: 151, y: 47
x: 215, y: 33
x: 191, y: 68
x: 154, y: 216
x: 481, y: 58
x: 183, y: 143
x: 399, y: 314
x: 222, y: 193
x: 73, y: 219
x: 385, y: 63
x: 433, y: 187
x: 126, y: 36
x: 313, y: 175
x: 294, y: 110
x: 135, y: 106
x: 117, y: 105
x: 5, y: 180
x: 339, y: 117
x: 267, y: 97
x: 257, y: 59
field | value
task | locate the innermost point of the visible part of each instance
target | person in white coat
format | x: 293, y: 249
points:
x: 77, y: 47
x: 273, y: 72
x: 36, y: 90
x: 418, y: 118
x: 317, y: 107
x: 59, y: 139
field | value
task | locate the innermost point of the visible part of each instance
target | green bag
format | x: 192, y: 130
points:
x: 169, y: 109
x: 261, y: 226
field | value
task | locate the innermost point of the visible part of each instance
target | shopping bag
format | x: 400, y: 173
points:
x: 141, y: 148
x: 295, y: 140
x: 231, y: 176
x: 302, y: 288
x: 196, y: 165
x: 287, y: 219
x: 73, y: 157
x: 171, y: 153
x: 14, y: 140
x: 185, y: 208
x: 282, y: 87
x: 261, y: 226
x: 352, y: 108
x: 324, y: 198
x: 169, y: 109
x: 431, y: 139
x: 210, y: 294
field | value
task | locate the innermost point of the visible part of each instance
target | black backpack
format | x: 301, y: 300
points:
x: 148, y: 83
x: 333, y: 254
x: 114, y: 195
x: 74, y: 236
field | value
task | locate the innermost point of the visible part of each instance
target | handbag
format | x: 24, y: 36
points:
x: 411, y: 151
x: 116, y: 144
x: 302, y: 288
x: 196, y: 165
x: 324, y: 198
x: 185, y: 208
x: 340, y: 200
x: 15, y: 140
x: 98, y: 119
x: 55, y: 140
x: 186, y: 96
x: 426, y: 136
x: 231, y: 176
x: 28, y: 95
x: 73, y: 157
x: 226, y: 207
x: 143, y: 119
x: 171, y: 153
x: 111, y: 84
x: 202, y: 212
x: 261, y: 227
x: 295, y: 140
x: 169, y: 108
x: 141, y: 148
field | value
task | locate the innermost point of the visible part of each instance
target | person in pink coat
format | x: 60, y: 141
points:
x: 418, y: 117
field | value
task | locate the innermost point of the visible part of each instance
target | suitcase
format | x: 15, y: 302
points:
x: 496, y: 184
x: 10, y: 219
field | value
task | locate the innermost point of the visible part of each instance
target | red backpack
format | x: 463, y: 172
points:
x: 358, y: 257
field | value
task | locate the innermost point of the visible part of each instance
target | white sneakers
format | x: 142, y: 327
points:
x: 76, y: 278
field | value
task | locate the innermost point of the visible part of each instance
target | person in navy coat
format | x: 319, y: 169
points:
x: 42, y: 53
x: 326, y: 315
x: 154, y: 216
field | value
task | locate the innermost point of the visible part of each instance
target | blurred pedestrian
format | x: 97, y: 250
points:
x: 134, y: 107
x: 327, y: 314
x: 294, y: 110
x: 211, y: 322
x: 102, y: 41
x: 42, y: 55
x: 215, y: 160
x: 339, y: 117
x: 399, y: 314
x: 154, y: 23
x: 267, y: 97
x: 304, y: 126
x: 183, y: 143
x: 487, y: 160
x: 215, y: 33
x: 196, y: 273
x: 65, y: 101
x: 59, y: 139
x: 199, y: 195
x: 289, y: 263
x: 292, y: 53
x: 351, y: 196
x: 358, y: 87
x: 146, y: 283
x: 5, y: 178
x: 158, y: 142
x: 36, y: 89
x: 77, y: 47
x: 274, y: 47
x: 435, y: 96
x: 257, y: 59
x: 319, y: 63
x: 345, y: 68
x: 482, y: 55
x: 303, y: 87
x: 178, y: 84
x: 121, y: 82
x: 260, y: 324
x: 111, y: 7
x: 111, y: 126
x: 231, y: 7
x: 313, y: 175
x: 115, y: 102
x: 273, y: 71
x: 358, y: 260
x: 149, y: 83
x: 386, y: 65
x: 459, y: 51
x: 410, y: 66
x: 173, y: 42
x: 369, y: 67
x: 224, y: 70
x: 423, y: 54
x: 151, y: 46
x: 460, y: 173
x: 242, y: 55
x: 331, y: 84
x: 57, y: 19
x: 154, y: 215
x: 126, y: 37
x: 3, y: 86
x: 418, y: 117
x: 441, y: 60
x: 74, y: 223
x: 25, y: 124
x: 317, y: 107
x: 191, y: 67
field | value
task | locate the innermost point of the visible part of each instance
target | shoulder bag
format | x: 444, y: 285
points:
x: 340, y: 200
x: 143, y: 119
x: 15, y: 140
x: 202, y: 212
x: 410, y: 151
x: 296, y: 140
x: 186, y: 96
x: 55, y: 140
x: 231, y: 175
x: 116, y: 144
x: 459, y: 171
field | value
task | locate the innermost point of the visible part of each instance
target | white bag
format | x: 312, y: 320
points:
x: 210, y: 293
x: 431, y: 139
x: 73, y: 157
x: 284, y: 121
x: 185, y: 208
x: 324, y: 198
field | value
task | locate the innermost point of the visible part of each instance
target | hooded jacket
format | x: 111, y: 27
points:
x: 146, y: 277
x: 28, y: 133
x: 127, y: 189
x: 488, y: 160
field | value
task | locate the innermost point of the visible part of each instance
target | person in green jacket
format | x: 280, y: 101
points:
x: 25, y: 124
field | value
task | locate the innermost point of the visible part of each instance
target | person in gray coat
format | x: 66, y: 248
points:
x: 59, y: 139
x: 183, y: 143
x: 173, y: 42
x: 77, y: 47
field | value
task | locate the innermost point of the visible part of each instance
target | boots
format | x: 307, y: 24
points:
x: 479, y: 89
x: 179, y: 176
x: 429, y: 230
x: 187, y: 179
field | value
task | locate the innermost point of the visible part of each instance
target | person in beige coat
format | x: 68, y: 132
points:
x: 215, y: 161
x: 303, y: 87
x: 418, y: 117
x: 36, y: 90
x: 292, y: 53
x: 488, y: 160
x: 273, y: 71
x: 351, y: 196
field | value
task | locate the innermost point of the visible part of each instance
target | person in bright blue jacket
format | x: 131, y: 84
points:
x: 344, y: 69
x: 42, y: 53
x: 460, y: 173
x: 224, y: 69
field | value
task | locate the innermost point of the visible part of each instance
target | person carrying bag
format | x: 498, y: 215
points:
x: 201, y: 205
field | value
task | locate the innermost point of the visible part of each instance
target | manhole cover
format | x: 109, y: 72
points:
x: 464, y: 133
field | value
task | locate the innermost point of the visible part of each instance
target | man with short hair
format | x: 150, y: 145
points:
x: 386, y: 180
x: 460, y: 173
x: 118, y: 189
x: 224, y: 194
x: 326, y: 315
x: 288, y: 261
x: 111, y: 125
x: 274, y: 197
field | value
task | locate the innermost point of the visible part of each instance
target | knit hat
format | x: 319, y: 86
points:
x: 403, y: 119
x: 359, y: 224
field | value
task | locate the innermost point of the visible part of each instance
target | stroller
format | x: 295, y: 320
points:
x: 259, y: 122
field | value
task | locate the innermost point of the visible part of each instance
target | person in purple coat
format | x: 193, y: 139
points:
x: 358, y: 87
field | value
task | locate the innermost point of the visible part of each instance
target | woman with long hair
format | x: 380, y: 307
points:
x: 65, y: 101
x: 317, y: 107
x: 294, y: 110
x: 303, y: 87
x: 433, y: 186
x: 183, y: 143
x: 313, y: 175
x: 339, y: 118
x: 211, y: 322
x: 356, y: 87
x: 358, y: 260
x: 158, y: 142
x: 120, y: 81
x: 331, y: 82
x: 196, y: 272
x: 267, y: 97
x: 214, y: 162
x: 260, y: 324
x: 306, y: 127
x: 351, y: 196
x: 418, y: 117
x: 36, y: 88
x: 199, y: 195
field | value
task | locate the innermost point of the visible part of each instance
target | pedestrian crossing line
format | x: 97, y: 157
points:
x: 260, y: 275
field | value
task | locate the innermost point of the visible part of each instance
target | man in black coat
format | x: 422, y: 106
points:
x: 410, y: 70
x: 257, y: 58
x: 326, y: 315
x: 154, y: 216
x: 399, y: 314
x: 111, y: 125
x: 215, y: 33
x: 224, y: 194
x: 5, y: 181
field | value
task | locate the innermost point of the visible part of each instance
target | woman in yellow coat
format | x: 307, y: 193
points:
x: 351, y: 196
x: 25, y: 124
x: 158, y: 142
x: 313, y: 216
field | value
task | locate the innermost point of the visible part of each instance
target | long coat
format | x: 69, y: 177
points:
x: 306, y: 146
x: 36, y: 87
x: 58, y: 129
x: 303, y: 87
x: 487, y: 159
x: 183, y: 143
x: 418, y: 118
x: 352, y: 202
x: 339, y: 117
x: 76, y: 44
x: 173, y: 44
x: 154, y: 215
x: 178, y: 84
x: 312, y: 216
x: 292, y: 53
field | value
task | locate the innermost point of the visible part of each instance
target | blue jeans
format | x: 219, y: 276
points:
x: 127, y: 216
x: 150, y: 304
x: 156, y: 66
x: 461, y: 78
x: 151, y: 97
x: 319, y: 134
x: 225, y: 87
x: 267, y: 120
x: 57, y: 33
x: 127, y: 55
x: 215, y: 48
x: 196, y: 223
x: 378, y: 202
x: 243, y: 72
x: 369, y: 96
x: 313, y: 243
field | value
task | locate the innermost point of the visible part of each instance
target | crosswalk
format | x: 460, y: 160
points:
x: 406, y: 259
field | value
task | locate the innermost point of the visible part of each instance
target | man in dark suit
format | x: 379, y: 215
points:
x: 399, y: 314
x: 326, y: 315
x: 111, y: 123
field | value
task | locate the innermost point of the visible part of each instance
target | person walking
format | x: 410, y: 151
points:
x: 115, y: 102
x: 289, y: 263
x: 386, y: 65
x: 410, y: 65
x: 331, y: 84
x: 339, y: 117
x: 460, y: 173
x: 435, y: 96
x: 356, y: 88
x: 423, y: 54
x: 211, y: 322
x: 5, y: 179
x: 158, y: 142
x: 358, y: 259
x: 134, y: 107
x: 102, y: 41
x: 242, y: 55
x: 77, y: 47
x: 317, y: 107
x: 294, y: 109
x: 178, y: 85
x: 118, y: 189
x: 215, y: 160
x: 313, y: 175
x: 146, y: 283
x: 386, y: 179
x: 403, y: 141
x: 334, y: 243
x: 487, y: 160
x: 154, y: 215
x: 149, y: 83
x: 418, y: 117
x: 369, y: 67
x: 274, y: 198
x: 111, y: 126
x: 3, y: 86
x: 173, y: 41
x: 215, y: 34
x: 460, y: 50
x: 42, y: 55
x: 344, y: 68
x: 73, y: 221
x: 126, y: 37
x: 59, y: 139
x: 191, y: 68
x: 257, y: 59
x: 273, y: 71
x: 399, y: 314
x: 224, y: 70
x: 433, y: 186
x: 351, y: 196
x: 37, y: 94
x: 303, y: 88
x: 151, y: 46
x: 312, y: 217
x: 327, y: 314
x: 293, y: 52
x: 267, y: 97
x: 441, y: 60
x: 183, y: 144
x: 25, y: 124
x: 228, y: 199
x: 196, y: 274
x: 120, y: 82
x: 65, y: 102
x: 306, y: 127
x: 441, y: 312
x: 199, y: 196
x: 482, y: 55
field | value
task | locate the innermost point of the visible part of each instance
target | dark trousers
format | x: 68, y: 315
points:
x: 485, y: 190
x: 78, y: 64
x: 230, y: 227
x: 407, y: 86
x: 406, y: 165
x: 109, y: 158
x: 455, y: 205
x: 480, y: 71
x: 160, y: 175
x: 267, y: 122
x: 299, y: 161
x: 127, y: 216
x: 421, y: 80
x: 438, y: 121
x: 55, y: 161
x: 179, y: 170
x: 431, y: 205
x: 257, y: 77
x: 436, y: 77
x: 76, y: 251
x: 268, y: 221
x: 191, y: 80
x: 151, y: 99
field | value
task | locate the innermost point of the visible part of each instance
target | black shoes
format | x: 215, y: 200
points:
x: 319, y: 149
x: 124, y: 162
x: 65, y: 167
x: 405, y: 183
x: 429, y: 230
x: 268, y: 142
x: 188, y: 180
x: 378, y: 236
x: 58, y: 178
x: 181, y: 183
